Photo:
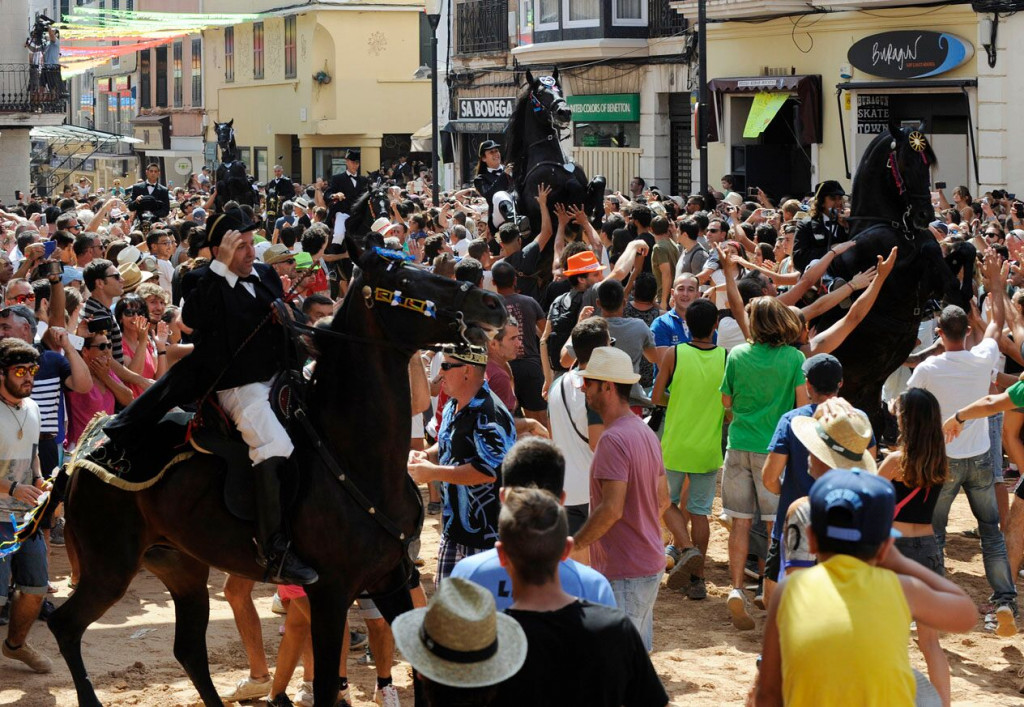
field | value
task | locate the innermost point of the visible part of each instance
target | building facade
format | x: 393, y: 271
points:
x: 303, y: 86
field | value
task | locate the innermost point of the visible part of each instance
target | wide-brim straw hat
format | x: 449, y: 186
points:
x: 838, y: 435
x: 608, y: 363
x: 132, y: 276
x: 459, y: 639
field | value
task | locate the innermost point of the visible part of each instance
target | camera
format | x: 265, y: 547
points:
x: 940, y: 185
x: 752, y: 191
x: 100, y: 324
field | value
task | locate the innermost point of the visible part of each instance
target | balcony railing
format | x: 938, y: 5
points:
x: 664, y: 20
x: 481, y: 26
x: 25, y: 88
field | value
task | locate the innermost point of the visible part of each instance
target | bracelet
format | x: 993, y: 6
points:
x: 956, y: 416
x: 10, y: 491
x: 161, y: 353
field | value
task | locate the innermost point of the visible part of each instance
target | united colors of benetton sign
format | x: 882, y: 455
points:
x: 910, y: 54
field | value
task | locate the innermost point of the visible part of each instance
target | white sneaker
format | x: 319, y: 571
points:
x: 304, y: 696
x: 277, y: 606
x: 737, y: 604
x: 249, y: 688
x: 386, y: 696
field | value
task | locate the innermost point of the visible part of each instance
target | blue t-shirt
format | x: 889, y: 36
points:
x: 670, y: 329
x: 580, y: 581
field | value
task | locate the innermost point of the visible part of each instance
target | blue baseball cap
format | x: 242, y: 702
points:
x: 853, y: 506
x: 70, y: 274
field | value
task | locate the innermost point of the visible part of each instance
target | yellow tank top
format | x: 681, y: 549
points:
x: 844, y: 628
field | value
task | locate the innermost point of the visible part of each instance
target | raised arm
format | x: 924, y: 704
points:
x: 546, y: 230
x: 732, y: 292
x: 813, y: 274
x: 830, y: 339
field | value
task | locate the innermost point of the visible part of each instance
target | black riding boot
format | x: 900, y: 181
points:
x: 283, y: 566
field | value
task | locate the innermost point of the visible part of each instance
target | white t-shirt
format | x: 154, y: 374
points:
x: 567, y: 390
x: 165, y: 273
x: 956, y: 379
x: 729, y: 333
x: 17, y: 456
x: 461, y: 248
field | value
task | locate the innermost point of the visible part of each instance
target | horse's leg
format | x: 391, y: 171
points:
x: 186, y: 579
x: 106, y: 569
x: 328, y: 610
x: 594, y: 203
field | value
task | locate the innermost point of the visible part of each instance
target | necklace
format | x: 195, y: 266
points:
x: 21, y: 423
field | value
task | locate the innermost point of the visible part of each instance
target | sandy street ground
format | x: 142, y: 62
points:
x: 700, y: 657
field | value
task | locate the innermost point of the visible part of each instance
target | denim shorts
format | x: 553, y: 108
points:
x: 636, y: 597
x: 924, y: 550
x: 700, y: 494
x: 28, y: 566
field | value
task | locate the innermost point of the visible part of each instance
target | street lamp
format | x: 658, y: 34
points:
x: 433, y: 10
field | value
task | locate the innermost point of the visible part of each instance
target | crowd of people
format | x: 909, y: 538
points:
x: 675, y: 351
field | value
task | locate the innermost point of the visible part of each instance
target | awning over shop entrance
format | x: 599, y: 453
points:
x: 423, y: 139
x: 491, y: 127
x: 808, y: 95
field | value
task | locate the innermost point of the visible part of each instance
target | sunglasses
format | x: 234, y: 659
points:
x: 445, y: 366
x: 24, y: 370
x: 116, y: 276
x: 100, y: 347
x: 715, y: 230
x: 991, y: 235
x: 22, y: 299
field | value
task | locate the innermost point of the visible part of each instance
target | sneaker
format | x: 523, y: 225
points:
x: 304, y: 697
x: 759, y: 594
x: 279, y: 701
x: 277, y: 606
x: 686, y: 564
x: 249, y: 688
x: 356, y: 640
x: 737, y: 604
x: 386, y: 696
x: 671, y: 557
x: 366, y: 658
x: 433, y: 508
x: 1006, y: 622
x: 343, y: 699
x: 57, y: 533
x: 697, y: 590
x: 29, y: 656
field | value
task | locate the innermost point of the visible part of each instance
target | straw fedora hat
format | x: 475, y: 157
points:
x: 608, y: 363
x: 459, y: 639
x: 132, y: 276
x: 838, y: 434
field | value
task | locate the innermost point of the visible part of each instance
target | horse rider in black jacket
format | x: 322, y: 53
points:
x: 342, y: 191
x: 150, y: 195
x: 493, y: 179
x: 814, y: 236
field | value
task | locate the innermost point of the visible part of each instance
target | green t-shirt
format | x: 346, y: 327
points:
x: 665, y: 251
x: 1016, y: 393
x: 761, y: 380
x: 692, y: 440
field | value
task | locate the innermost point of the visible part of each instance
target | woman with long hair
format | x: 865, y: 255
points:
x: 918, y: 469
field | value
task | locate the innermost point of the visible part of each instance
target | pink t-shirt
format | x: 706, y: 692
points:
x: 629, y: 451
x: 500, y: 382
x: 82, y: 407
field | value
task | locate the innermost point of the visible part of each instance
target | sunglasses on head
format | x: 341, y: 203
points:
x: 20, y: 371
x: 100, y: 347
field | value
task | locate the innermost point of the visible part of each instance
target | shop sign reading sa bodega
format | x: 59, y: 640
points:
x: 486, y: 108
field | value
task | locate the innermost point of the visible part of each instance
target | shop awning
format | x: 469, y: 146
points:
x: 806, y: 87
x: 423, y: 139
x: 67, y: 134
x: 934, y: 84
x: 482, y: 127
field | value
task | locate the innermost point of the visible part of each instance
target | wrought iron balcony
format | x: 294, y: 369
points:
x: 481, y: 26
x: 25, y: 88
x: 665, y: 20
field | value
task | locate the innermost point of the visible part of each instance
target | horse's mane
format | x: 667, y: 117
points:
x: 515, y: 130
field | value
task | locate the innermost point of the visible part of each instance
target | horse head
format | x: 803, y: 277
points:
x: 547, y: 100
x: 225, y: 134
x: 416, y: 308
x: 894, y: 179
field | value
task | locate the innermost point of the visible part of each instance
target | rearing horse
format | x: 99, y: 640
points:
x: 232, y: 178
x: 892, y: 207
x: 358, y: 399
x: 540, y: 117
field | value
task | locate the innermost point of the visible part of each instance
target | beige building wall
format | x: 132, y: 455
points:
x: 370, y: 54
x: 743, y: 49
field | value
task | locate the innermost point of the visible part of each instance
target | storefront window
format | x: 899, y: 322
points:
x: 328, y: 161
x: 606, y: 135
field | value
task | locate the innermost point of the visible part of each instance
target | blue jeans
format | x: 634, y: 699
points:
x: 636, y: 596
x: 975, y: 476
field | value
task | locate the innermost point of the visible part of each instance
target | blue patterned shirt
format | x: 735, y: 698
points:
x: 481, y: 433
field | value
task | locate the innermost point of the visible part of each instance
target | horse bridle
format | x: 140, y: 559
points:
x: 548, y: 86
x: 918, y: 143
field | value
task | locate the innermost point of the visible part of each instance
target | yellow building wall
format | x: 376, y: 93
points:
x: 371, y: 56
x: 820, y: 46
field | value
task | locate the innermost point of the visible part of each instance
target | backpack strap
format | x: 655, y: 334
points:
x: 568, y: 412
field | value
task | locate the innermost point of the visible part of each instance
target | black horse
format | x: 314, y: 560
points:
x: 892, y: 207
x: 366, y: 209
x: 232, y: 179
x: 358, y: 398
x: 533, y: 131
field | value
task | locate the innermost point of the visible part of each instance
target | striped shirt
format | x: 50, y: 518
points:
x: 94, y: 309
x: 46, y: 390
